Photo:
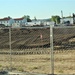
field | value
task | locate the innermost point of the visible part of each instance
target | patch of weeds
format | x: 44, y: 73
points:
x: 13, y: 68
x: 62, y: 62
x: 20, y: 69
x: 61, y: 71
x: 0, y: 65
x: 35, y: 67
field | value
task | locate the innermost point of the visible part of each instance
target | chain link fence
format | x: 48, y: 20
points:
x: 30, y: 49
x: 64, y: 50
x: 25, y: 49
x: 38, y: 50
x: 4, y: 49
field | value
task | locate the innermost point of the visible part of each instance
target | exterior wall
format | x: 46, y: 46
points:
x: 11, y: 21
x: 49, y: 23
x: 15, y: 25
x: 39, y: 23
x: 6, y: 23
x: 33, y: 23
x: 67, y: 19
x: 24, y: 20
x: 19, y: 23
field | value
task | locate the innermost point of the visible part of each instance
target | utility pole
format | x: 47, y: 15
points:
x: 73, y: 18
x: 62, y: 16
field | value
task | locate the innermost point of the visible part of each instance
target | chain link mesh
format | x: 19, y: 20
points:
x: 64, y: 50
x: 23, y: 49
x: 4, y: 49
x: 29, y: 50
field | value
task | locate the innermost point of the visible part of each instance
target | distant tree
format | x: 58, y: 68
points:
x: 48, y: 19
x: 9, y: 17
x: 27, y: 17
x: 35, y: 19
x: 56, y: 19
x: 68, y: 17
x: 24, y: 16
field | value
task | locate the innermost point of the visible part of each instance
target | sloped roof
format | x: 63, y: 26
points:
x: 18, y: 18
x: 4, y: 19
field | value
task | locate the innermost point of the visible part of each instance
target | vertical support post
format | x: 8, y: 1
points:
x: 41, y: 37
x: 10, y: 48
x: 51, y: 48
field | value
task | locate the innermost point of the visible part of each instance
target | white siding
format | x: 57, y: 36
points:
x: 4, y: 22
x: 67, y: 19
x: 15, y: 25
x: 11, y: 21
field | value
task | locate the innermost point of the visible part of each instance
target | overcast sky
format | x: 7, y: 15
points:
x: 42, y: 9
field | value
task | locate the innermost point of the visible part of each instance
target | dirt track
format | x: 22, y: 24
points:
x: 31, y: 38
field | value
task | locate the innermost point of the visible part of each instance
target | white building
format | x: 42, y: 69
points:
x: 22, y: 22
x: 66, y: 19
x: 39, y: 23
x: 33, y: 23
x: 6, y: 21
x: 18, y: 22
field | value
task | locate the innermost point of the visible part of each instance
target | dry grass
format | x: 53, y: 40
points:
x: 64, y: 62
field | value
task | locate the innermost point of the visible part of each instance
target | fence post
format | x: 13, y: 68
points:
x: 10, y: 49
x: 51, y: 49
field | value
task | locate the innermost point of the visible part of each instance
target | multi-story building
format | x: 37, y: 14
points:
x: 17, y: 22
x: 65, y: 20
x: 22, y: 22
x: 6, y: 21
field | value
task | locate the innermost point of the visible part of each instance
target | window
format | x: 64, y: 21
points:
x: 18, y: 21
x: 15, y: 21
x: 1, y: 22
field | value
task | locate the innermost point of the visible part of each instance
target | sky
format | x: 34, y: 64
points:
x: 41, y: 9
